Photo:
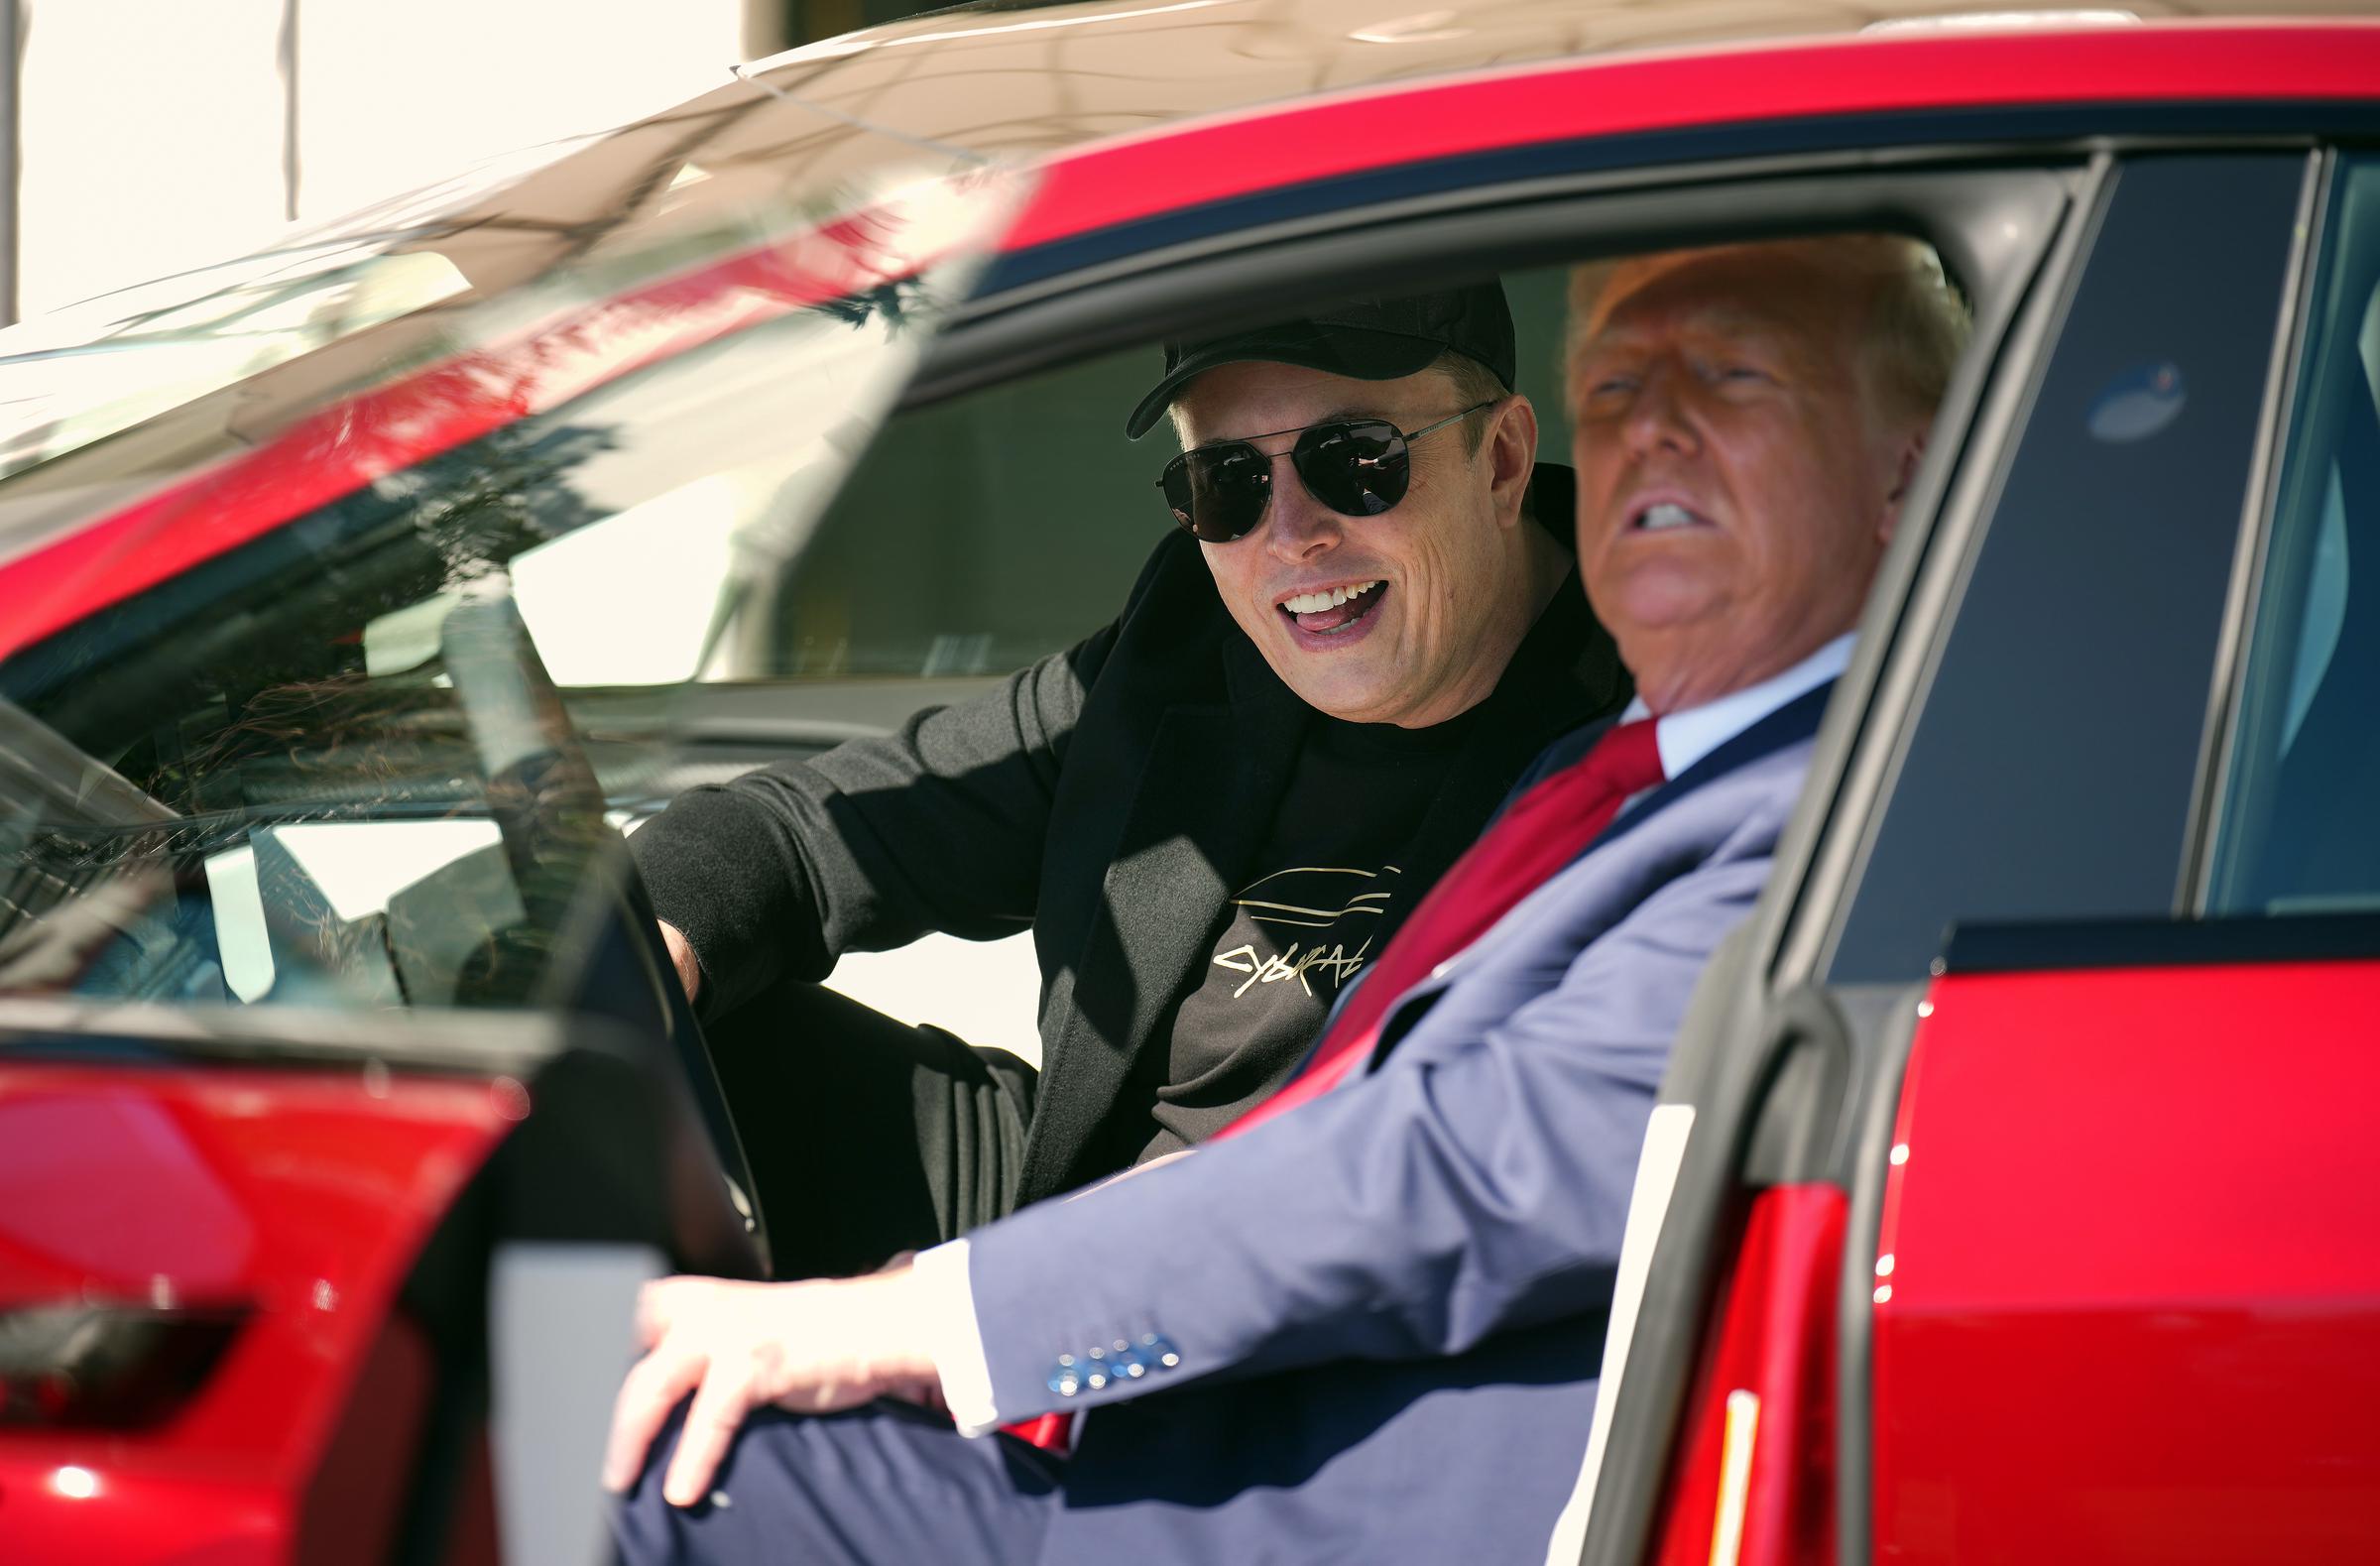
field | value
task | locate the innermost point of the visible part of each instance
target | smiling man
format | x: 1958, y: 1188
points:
x: 1366, y: 1322
x: 1212, y: 814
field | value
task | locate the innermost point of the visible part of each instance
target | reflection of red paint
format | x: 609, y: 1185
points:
x: 341, y: 448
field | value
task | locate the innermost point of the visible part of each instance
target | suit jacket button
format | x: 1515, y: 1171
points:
x: 1064, y: 1380
x: 1158, y: 1350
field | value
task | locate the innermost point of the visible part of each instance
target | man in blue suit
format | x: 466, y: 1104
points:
x: 1370, y: 1327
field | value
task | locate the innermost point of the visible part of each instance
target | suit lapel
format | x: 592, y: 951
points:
x: 1194, y: 839
x: 1790, y: 724
x: 1795, y: 721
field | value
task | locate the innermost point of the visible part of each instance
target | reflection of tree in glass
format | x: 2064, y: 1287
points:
x: 899, y: 304
x: 501, y: 495
x: 283, y: 709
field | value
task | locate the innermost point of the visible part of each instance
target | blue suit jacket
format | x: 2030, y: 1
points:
x: 1388, y: 1309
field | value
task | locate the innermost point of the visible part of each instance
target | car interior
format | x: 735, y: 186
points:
x: 372, y: 765
x: 304, y: 794
x: 354, y: 793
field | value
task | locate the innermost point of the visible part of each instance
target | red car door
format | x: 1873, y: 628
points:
x: 2029, y: 1210
x: 2127, y: 1289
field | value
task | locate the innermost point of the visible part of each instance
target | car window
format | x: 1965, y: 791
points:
x: 2052, y: 768
x: 2299, y: 831
x: 975, y: 535
x: 321, y: 759
x: 987, y: 530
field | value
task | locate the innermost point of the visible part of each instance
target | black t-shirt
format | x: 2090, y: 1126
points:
x: 1327, y: 890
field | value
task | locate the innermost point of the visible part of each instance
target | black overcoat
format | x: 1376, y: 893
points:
x: 1108, y: 798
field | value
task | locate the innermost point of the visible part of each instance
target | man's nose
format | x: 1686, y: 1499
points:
x: 1297, y: 527
x: 1661, y: 415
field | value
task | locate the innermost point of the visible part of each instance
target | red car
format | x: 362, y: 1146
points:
x: 2013, y: 1196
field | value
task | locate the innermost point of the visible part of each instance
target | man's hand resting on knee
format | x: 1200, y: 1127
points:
x: 813, y: 1348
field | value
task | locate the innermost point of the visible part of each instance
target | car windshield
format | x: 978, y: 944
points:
x: 286, y: 728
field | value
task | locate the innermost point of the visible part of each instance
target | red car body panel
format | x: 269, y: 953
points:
x: 298, y: 1197
x: 1776, y: 1342
x: 2136, y: 1335
x: 2127, y: 1294
x: 1259, y: 150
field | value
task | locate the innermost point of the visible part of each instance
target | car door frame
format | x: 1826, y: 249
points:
x: 1763, y: 1119
x: 2022, y: 197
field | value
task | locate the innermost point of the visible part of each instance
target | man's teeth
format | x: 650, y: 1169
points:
x: 1668, y: 514
x: 1316, y: 603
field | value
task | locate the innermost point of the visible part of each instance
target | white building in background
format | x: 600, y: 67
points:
x: 148, y: 136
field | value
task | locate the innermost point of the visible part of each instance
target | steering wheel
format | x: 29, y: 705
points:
x: 548, y: 810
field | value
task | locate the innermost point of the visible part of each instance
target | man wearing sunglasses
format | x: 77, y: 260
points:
x: 1212, y: 814
x: 1365, y: 1323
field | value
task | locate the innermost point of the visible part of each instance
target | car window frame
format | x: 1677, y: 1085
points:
x: 2030, y: 196
x: 2229, y: 726
x: 1844, y: 952
x: 1881, y: 1019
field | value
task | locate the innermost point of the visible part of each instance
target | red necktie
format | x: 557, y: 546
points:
x: 1543, y: 831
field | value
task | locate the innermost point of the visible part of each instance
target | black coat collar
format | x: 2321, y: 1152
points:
x: 1211, y: 769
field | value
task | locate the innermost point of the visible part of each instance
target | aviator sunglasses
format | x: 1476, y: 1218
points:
x: 1359, y: 467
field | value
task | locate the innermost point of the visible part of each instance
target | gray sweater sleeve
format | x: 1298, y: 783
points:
x: 938, y: 826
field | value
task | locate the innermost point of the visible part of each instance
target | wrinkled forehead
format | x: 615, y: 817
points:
x: 1792, y: 292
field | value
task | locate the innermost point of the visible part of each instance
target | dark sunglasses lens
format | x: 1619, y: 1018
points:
x: 1358, y: 469
x: 1219, y: 492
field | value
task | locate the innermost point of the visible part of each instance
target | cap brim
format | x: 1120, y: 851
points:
x: 1357, y: 354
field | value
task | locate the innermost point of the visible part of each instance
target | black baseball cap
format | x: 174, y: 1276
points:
x: 1372, y: 339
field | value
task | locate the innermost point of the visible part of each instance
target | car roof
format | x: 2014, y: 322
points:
x: 1056, y: 86
x: 1022, y: 83
x: 1007, y: 78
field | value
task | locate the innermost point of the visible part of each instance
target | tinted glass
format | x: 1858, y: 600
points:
x: 290, y: 734
x: 976, y: 535
x: 2052, y: 767
x: 981, y: 532
x: 2300, y: 831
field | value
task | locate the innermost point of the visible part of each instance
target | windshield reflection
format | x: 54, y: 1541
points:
x: 322, y: 682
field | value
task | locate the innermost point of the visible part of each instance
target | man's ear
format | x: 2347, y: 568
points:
x: 1510, y: 449
x: 1905, y: 463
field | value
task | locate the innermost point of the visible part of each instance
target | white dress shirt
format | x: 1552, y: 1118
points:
x: 1687, y: 736
x: 1683, y: 738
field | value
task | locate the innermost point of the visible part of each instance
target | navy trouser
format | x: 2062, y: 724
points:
x: 866, y: 1135
x: 888, y: 1485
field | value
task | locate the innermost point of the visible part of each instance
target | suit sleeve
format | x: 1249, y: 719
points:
x: 938, y: 826
x: 1455, y: 1192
